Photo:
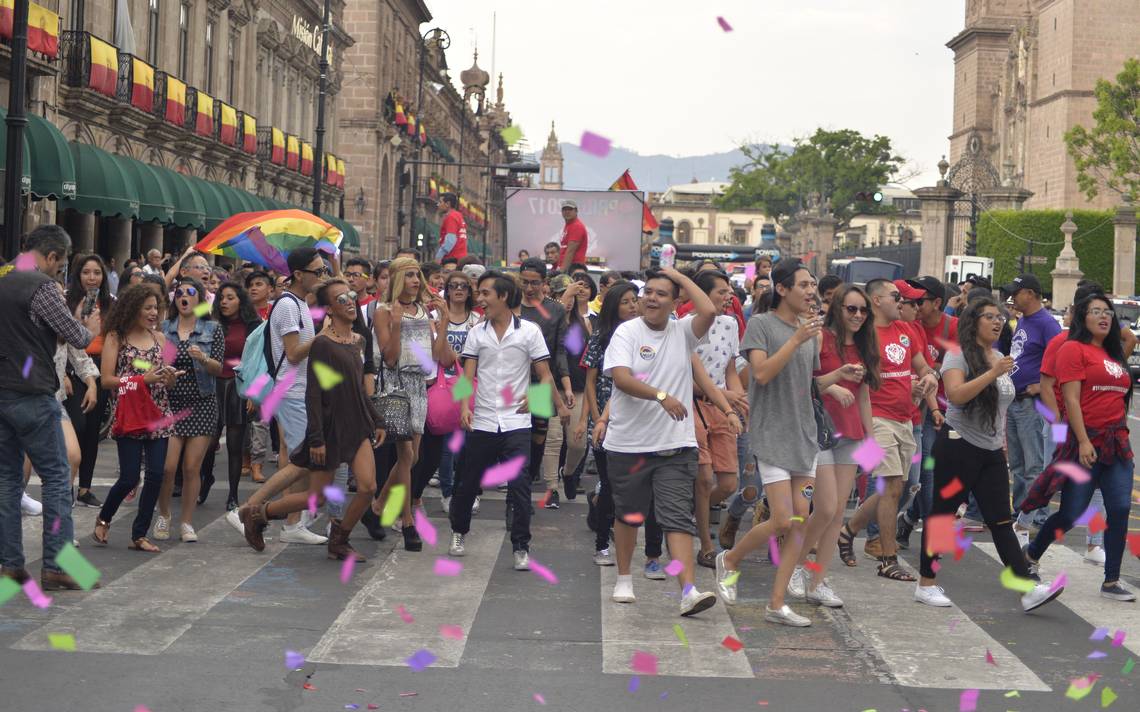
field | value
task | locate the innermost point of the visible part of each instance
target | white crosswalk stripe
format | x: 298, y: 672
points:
x: 84, y: 520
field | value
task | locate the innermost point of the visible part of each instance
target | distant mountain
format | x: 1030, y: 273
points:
x: 651, y: 173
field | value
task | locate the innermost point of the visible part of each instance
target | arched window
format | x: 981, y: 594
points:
x: 684, y: 232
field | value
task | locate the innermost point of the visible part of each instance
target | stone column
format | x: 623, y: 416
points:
x: 119, y: 239
x: 150, y: 238
x: 1124, y: 252
x: 818, y: 235
x: 81, y: 228
x: 936, y: 204
x: 1004, y: 198
x: 1067, y: 271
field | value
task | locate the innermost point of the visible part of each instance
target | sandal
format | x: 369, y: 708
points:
x: 144, y: 544
x: 101, y: 540
x: 707, y: 559
x: 889, y: 568
x: 847, y: 546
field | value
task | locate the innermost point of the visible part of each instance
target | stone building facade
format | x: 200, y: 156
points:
x: 699, y: 221
x: 1024, y: 73
x: 551, y: 163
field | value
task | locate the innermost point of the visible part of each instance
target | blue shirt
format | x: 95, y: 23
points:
x: 1028, y: 346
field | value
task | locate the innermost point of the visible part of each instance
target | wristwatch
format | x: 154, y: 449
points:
x: 661, y: 396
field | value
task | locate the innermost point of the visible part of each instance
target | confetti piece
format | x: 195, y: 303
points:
x: 539, y: 400
x: 141, y: 708
x: 309, y: 686
x: 404, y: 615
x: 326, y: 376
x: 425, y: 528
x: 813, y: 567
x: 1060, y: 432
x: 928, y: 463
x: 74, y: 565
x: 935, y: 566
x: 346, y: 569
x: 462, y: 389
x: 202, y: 309
x: 643, y: 662
x: 35, y: 595
x: 507, y: 395
x: 633, y: 518
x: 1097, y: 654
x: 1084, y: 519
x: 940, y: 535
x: 634, y: 683
x: 574, y: 338
x: 680, y: 633
x: 731, y: 579
x: 543, y: 573
x: 141, y: 364
x: 453, y: 632
x: 1134, y: 544
x: 880, y: 485
x: 594, y: 144
x: 169, y: 352
x: 257, y: 386
x: 968, y: 701
x: 27, y: 367
x: 1079, y: 688
x: 990, y: 657
x: 1118, y: 639
x: 724, y: 24
x: 394, y: 506
x: 1044, y: 410
x: 294, y: 660
x: 427, y: 363
x: 352, y: 707
x: 334, y: 494
x: 1059, y: 582
x: 448, y: 567
x: 1097, y: 524
x: 539, y: 699
x: 503, y: 472
x: 55, y: 526
x: 1099, y: 634
x: 373, y: 706
x: 420, y: 660
x: 1012, y: 693
x: 26, y: 262
x: 732, y: 644
x: 318, y: 314
x: 169, y: 420
x: 868, y: 454
x: 455, y: 442
x: 313, y: 503
x: 796, y: 518
x: 1014, y: 582
x: 674, y: 567
x: 952, y: 488
x: 62, y: 641
x: 1127, y: 667
x: 408, y: 694
x: 8, y: 589
x: 1107, y: 697
x: 511, y: 134
x: 1073, y: 471
x: 271, y: 401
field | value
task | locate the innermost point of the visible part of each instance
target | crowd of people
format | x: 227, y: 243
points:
x: 688, y: 393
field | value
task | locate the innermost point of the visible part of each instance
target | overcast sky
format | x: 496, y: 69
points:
x: 663, y: 77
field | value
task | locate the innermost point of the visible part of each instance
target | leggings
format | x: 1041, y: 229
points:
x: 431, y: 452
x: 985, y: 474
x: 89, y: 436
x: 130, y: 462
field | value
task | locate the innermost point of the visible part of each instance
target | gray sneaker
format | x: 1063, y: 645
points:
x: 603, y: 557
x: 456, y: 548
x: 784, y: 615
x: 522, y: 560
x: 824, y: 596
x: 1117, y: 592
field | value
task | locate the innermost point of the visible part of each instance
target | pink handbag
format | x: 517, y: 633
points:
x: 442, y: 410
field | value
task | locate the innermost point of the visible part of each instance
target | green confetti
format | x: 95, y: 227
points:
x: 511, y: 134
x: 394, y: 507
x: 680, y: 633
x: 1124, y: 671
x: 1080, y: 692
x: 9, y: 588
x: 1107, y: 697
x: 141, y: 364
x: 202, y: 309
x: 327, y: 377
x: 1013, y: 693
x: 62, y: 641
x: 1014, y: 582
x: 928, y: 463
x: 77, y: 567
x: 732, y: 578
x: 539, y: 400
x: 462, y: 389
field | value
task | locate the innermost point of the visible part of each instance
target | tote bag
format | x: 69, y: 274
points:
x: 135, y: 411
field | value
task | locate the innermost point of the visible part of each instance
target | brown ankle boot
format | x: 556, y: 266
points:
x: 59, y: 581
x: 339, y: 548
x: 254, y: 520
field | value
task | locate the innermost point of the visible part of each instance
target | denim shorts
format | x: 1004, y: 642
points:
x: 293, y: 419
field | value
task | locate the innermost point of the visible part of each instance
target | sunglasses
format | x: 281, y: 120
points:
x: 459, y: 287
x: 346, y: 298
x: 355, y: 274
x: 910, y: 302
x: 853, y: 310
x: 185, y: 292
x: 319, y: 272
x: 895, y: 296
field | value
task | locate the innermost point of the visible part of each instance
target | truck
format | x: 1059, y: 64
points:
x: 959, y: 267
x: 860, y: 270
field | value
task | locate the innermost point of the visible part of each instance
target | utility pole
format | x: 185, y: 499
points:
x: 17, y: 120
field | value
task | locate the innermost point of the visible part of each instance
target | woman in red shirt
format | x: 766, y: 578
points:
x: 1097, y: 388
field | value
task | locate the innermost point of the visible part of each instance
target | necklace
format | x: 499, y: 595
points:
x: 338, y: 337
x: 407, y: 304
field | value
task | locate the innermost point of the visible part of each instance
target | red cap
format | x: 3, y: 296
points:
x: 908, y: 292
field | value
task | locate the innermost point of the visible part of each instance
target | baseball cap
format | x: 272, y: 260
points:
x: 907, y: 291
x: 569, y: 204
x: 930, y: 285
x: 1025, y: 281
x: 977, y: 281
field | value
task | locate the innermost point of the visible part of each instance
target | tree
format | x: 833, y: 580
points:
x: 834, y: 164
x: 1108, y: 155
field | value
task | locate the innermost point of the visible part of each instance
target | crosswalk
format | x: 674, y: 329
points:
x: 395, y: 605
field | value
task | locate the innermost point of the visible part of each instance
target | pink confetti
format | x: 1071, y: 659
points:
x: 169, y: 420
x: 917, y: 457
x: 55, y: 526
x: 334, y: 494
x: 453, y: 632
x: 574, y: 338
x: 318, y: 314
x: 404, y: 615
x: 27, y: 367
x: 313, y: 503
x: 169, y: 353
x: 293, y: 659
x: 507, y: 395
x: 424, y: 527
x: 1118, y: 639
x: 968, y: 701
x: 503, y: 472
x: 346, y: 569
x: 35, y: 595
x: 142, y: 708
x: 935, y: 566
x: 269, y: 405
x: 1073, y: 471
x: 633, y: 518
x: 990, y: 657
x: 868, y: 454
x: 773, y: 551
x: 26, y: 262
x: 257, y: 386
x: 427, y: 363
x: 674, y: 568
x: 643, y: 663
x: 1044, y: 411
x: 724, y: 24
x: 455, y: 442
x: 448, y: 567
x: 543, y: 573
x: 1059, y: 582
x: 594, y: 144
x: 539, y: 699
x: 420, y: 660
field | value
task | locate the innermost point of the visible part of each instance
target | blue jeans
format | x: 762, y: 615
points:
x: 1097, y: 502
x: 30, y: 424
x: 447, y: 472
x: 1115, y: 483
x: 130, y: 462
x: 749, y: 477
x: 1025, y: 440
x: 924, y: 502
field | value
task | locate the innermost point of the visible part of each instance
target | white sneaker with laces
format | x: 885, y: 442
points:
x: 30, y: 507
x: 162, y: 528
x: 297, y: 534
x: 623, y: 590
x: 475, y: 507
x: 1095, y: 555
x: 1022, y: 535
x: 1041, y: 594
x: 824, y: 596
x: 456, y: 548
x: 603, y: 557
x: 784, y: 615
x: 797, y: 585
x: 433, y: 482
x: 693, y: 602
x: 189, y: 536
x: 234, y: 521
x: 445, y: 504
x: 932, y: 596
x: 522, y: 560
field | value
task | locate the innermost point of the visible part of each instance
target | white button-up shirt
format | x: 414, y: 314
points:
x: 503, y: 363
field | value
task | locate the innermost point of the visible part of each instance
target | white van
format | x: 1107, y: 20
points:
x: 959, y: 267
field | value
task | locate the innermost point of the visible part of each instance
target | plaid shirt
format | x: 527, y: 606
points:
x: 48, y: 308
x: 1111, y: 444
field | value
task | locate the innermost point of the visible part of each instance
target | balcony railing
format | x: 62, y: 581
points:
x: 75, y: 52
x: 138, y: 91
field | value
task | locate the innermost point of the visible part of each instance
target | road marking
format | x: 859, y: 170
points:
x: 900, y: 630
x: 370, y: 631
x: 648, y: 625
x: 146, y: 610
x: 1082, y: 593
x: 83, y: 519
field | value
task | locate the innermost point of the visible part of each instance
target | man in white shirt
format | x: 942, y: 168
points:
x: 500, y: 352
x: 649, y: 439
x: 153, y: 263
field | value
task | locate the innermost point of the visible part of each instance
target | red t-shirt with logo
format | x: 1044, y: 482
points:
x: 575, y: 231
x: 921, y: 346
x: 453, y: 222
x: 1104, y: 382
x: 847, y: 420
x: 1049, y: 367
x: 896, y: 350
x: 944, y: 333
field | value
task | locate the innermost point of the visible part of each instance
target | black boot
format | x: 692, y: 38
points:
x: 207, y: 483
x: 371, y: 522
x: 903, y: 531
x: 412, y: 540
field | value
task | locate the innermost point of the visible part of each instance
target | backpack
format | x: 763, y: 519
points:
x: 257, y: 368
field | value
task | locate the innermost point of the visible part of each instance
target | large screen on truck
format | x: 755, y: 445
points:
x: 612, y: 219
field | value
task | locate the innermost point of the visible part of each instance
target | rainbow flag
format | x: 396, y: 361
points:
x: 267, y: 237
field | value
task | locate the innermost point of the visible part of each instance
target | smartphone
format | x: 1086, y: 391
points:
x: 90, y: 301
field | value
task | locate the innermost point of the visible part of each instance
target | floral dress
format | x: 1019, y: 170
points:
x: 130, y: 359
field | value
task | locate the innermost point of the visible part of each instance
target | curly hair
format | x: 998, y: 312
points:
x: 126, y: 309
x: 978, y: 360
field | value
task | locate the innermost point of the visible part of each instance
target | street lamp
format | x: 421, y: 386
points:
x: 442, y: 41
x: 323, y: 88
x: 17, y: 120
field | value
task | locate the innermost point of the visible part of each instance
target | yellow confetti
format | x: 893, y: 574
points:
x: 797, y: 519
x: 1107, y: 697
x: 1014, y: 582
x: 511, y: 134
x: 62, y: 641
x: 141, y: 364
x: 327, y: 377
x: 394, y: 507
x: 202, y: 309
x: 680, y: 633
x: 1080, y: 688
x: 731, y: 578
x: 1013, y: 693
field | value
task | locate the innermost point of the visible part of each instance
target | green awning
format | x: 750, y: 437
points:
x: 53, y: 166
x: 156, y: 204
x: 214, y: 207
x: 188, y: 208
x: 26, y: 175
x: 103, y: 185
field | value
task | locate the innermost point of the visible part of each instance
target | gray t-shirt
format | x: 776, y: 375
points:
x: 290, y: 315
x: 974, y: 427
x: 782, y: 425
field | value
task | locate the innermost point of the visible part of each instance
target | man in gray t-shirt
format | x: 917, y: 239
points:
x: 973, y: 426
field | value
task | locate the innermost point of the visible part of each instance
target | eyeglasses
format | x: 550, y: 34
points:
x: 459, y: 287
x: 992, y: 317
x: 203, y: 268
x: 909, y: 303
x: 351, y: 275
x: 185, y: 292
x: 135, y: 274
x: 346, y: 298
x: 1101, y: 312
x: 853, y: 310
x: 319, y: 272
x: 532, y: 282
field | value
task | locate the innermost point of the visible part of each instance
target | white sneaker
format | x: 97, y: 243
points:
x: 162, y: 528
x: 456, y: 548
x: 433, y: 482
x: 1022, y: 535
x: 623, y: 590
x: 1039, y: 596
x: 784, y: 615
x: 522, y: 560
x: 824, y: 596
x: 932, y: 596
x: 603, y: 557
x: 188, y: 534
x: 1095, y: 555
x: 445, y: 504
x: 725, y: 580
x: 475, y: 507
x: 797, y: 585
x: 297, y: 534
x: 30, y: 507
x: 235, y: 521
x: 694, y: 601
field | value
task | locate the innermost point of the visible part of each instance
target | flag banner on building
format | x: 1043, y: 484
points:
x: 625, y: 182
x: 104, y: 67
x: 43, y: 31
x: 340, y: 172
x: 204, y: 121
x: 401, y: 119
x: 292, y: 152
x: 423, y: 135
x: 411, y: 125
x: 433, y: 188
x: 175, y: 101
x: 306, y: 158
x: 277, y: 146
x: 227, y: 132
x: 142, y: 85
x: 330, y: 169
x: 248, y: 133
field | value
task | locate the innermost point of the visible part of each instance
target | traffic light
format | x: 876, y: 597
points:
x: 869, y: 196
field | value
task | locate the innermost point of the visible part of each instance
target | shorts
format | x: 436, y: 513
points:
x: 842, y: 454
x: 773, y: 473
x: 667, y: 484
x: 293, y: 419
x: 897, y: 441
x: 715, y: 439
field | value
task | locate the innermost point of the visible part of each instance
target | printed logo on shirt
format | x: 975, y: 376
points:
x: 895, y: 354
x: 807, y: 491
x: 904, y: 340
x: 1017, y: 344
x: 934, y: 353
x: 1113, y: 368
x: 647, y: 353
